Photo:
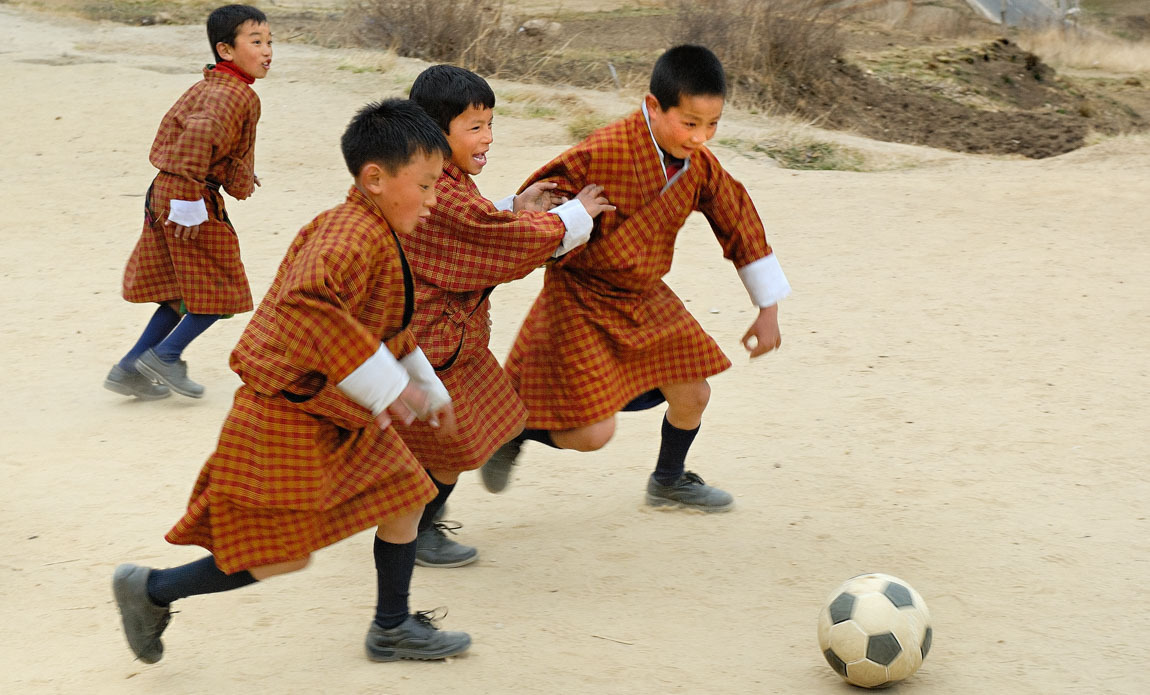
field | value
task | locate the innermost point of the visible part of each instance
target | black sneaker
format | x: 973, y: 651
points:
x: 434, y: 549
x: 143, y: 620
x: 414, y: 638
x: 688, y: 491
x: 496, y: 473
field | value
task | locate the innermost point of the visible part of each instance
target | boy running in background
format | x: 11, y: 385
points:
x: 458, y: 254
x: 188, y: 257
x: 606, y: 333
x: 307, y: 455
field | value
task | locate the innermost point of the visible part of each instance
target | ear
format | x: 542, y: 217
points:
x: 371, y: 177
x: 652, y: 103
x: 224, y: 50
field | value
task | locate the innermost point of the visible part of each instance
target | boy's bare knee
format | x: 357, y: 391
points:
x: 268, y: 571
x: 589, y: 438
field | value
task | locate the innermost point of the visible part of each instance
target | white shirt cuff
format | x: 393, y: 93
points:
x: 377, y: 382
x: 506, y: 204
x: 187, y: 213
x: 423, y: 374
x: 579, y: 225
x: 765, y: 281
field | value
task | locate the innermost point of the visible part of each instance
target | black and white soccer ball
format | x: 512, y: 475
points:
x: 874, y: 630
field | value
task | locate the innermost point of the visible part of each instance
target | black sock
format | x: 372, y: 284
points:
x: 393, y: 566
x: 436, y: 504
x: 541, y: 436
x: 193, y: 579
x: 673, y: 452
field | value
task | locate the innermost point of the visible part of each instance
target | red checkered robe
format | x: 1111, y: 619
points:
x: 208, y: 135
x: 458, y: 254
x: 605, y: 328
x: 299, y: 465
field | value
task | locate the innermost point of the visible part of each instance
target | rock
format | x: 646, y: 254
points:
x: 540, y: 27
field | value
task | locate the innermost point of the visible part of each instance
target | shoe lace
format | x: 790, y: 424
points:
x: 432, y: 617
x: 448, y: 526
x: 691, y: 478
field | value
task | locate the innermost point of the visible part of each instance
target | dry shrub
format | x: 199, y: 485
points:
x: 472, y: 34
x: 772, y: 50
x: 1067, y: 47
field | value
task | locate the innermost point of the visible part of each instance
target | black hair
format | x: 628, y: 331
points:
x: 224, y: 22
x: 687, y: 71
x: 445, y: 91
x: 390, y: 133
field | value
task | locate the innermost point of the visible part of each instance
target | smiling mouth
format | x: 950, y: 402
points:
x: 480, y: 157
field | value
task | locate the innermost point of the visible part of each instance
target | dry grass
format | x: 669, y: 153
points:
x: 1070, y: 48
x: 770, y: 50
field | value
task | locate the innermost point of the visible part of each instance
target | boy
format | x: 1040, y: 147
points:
x: 188, y: 257
x: 458, y: 254
x: 306, y: 456
x: 606, y: 334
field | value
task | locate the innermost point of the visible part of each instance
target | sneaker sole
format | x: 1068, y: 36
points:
x: 119, y: 388
x: 447, y: 565
x: 663, y: 502
x: 385, y: 655
x: 153, y: 374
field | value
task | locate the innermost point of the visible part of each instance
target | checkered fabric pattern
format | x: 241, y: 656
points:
x: 288, y: 478
x: 465, y: 247
x: 606, y: 328
x: 208, y: 133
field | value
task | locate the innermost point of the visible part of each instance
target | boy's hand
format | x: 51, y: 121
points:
x: 593, y: 200
x: 763, y: 335
x: 443, y: 422
x: 538, y: 198
x: 411, y: 401
x: 181, y: 232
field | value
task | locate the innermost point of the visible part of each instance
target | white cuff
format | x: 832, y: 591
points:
x: 187, y: 213
x: 578, y: 223
x: 377, y: 382
x: 506, y: 204
x: 765, y: 281
x: 424, y: 376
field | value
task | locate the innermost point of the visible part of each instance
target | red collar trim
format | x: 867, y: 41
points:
x: 230, y: 68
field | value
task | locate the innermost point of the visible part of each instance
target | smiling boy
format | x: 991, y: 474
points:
x: 458, y: 254
x: 606, y: 333
x: 187, y: 259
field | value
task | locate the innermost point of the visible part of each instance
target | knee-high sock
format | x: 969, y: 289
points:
x: 193, y: 579
x: 436, y: 504
x: 159, y: 326
x: 673, y: 452
x: 190, y: 328
x: 393, y: 566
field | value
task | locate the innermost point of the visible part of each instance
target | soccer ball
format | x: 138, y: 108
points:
x: 874, y: 630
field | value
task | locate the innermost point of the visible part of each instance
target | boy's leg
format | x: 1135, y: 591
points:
x: 395, y: 633
x: 432, y: 546
x: 163, y: 362
x: 671, y: 484
x: 496, y: 473
x: 145, y: 595
x: 124, y: 378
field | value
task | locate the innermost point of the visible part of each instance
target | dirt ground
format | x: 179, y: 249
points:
x: 959, y: 401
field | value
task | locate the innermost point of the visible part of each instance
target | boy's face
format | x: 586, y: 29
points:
x: 470, y: 137
x: 252, y: 51
x: 405, y: 196
x: 682, y: 129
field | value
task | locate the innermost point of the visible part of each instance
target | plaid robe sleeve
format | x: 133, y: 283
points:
x: 731, y: 213
x: 210, y: 133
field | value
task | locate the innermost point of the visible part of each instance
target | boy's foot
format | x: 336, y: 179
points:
x: 143, y: 620
x: 134, y: 384
x: 434, y: 549
x: 172, y: 374
x: 415, y: 638
x: 496, y: 473
x: 688, y: 491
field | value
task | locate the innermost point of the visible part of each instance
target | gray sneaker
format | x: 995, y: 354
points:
x: 172, y: 374
x: 434, y: 549
x: 134, y: 384
x: 143, y: 620
x: 414, y: 638
x: 496, y: 473
x: 688, y: 491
